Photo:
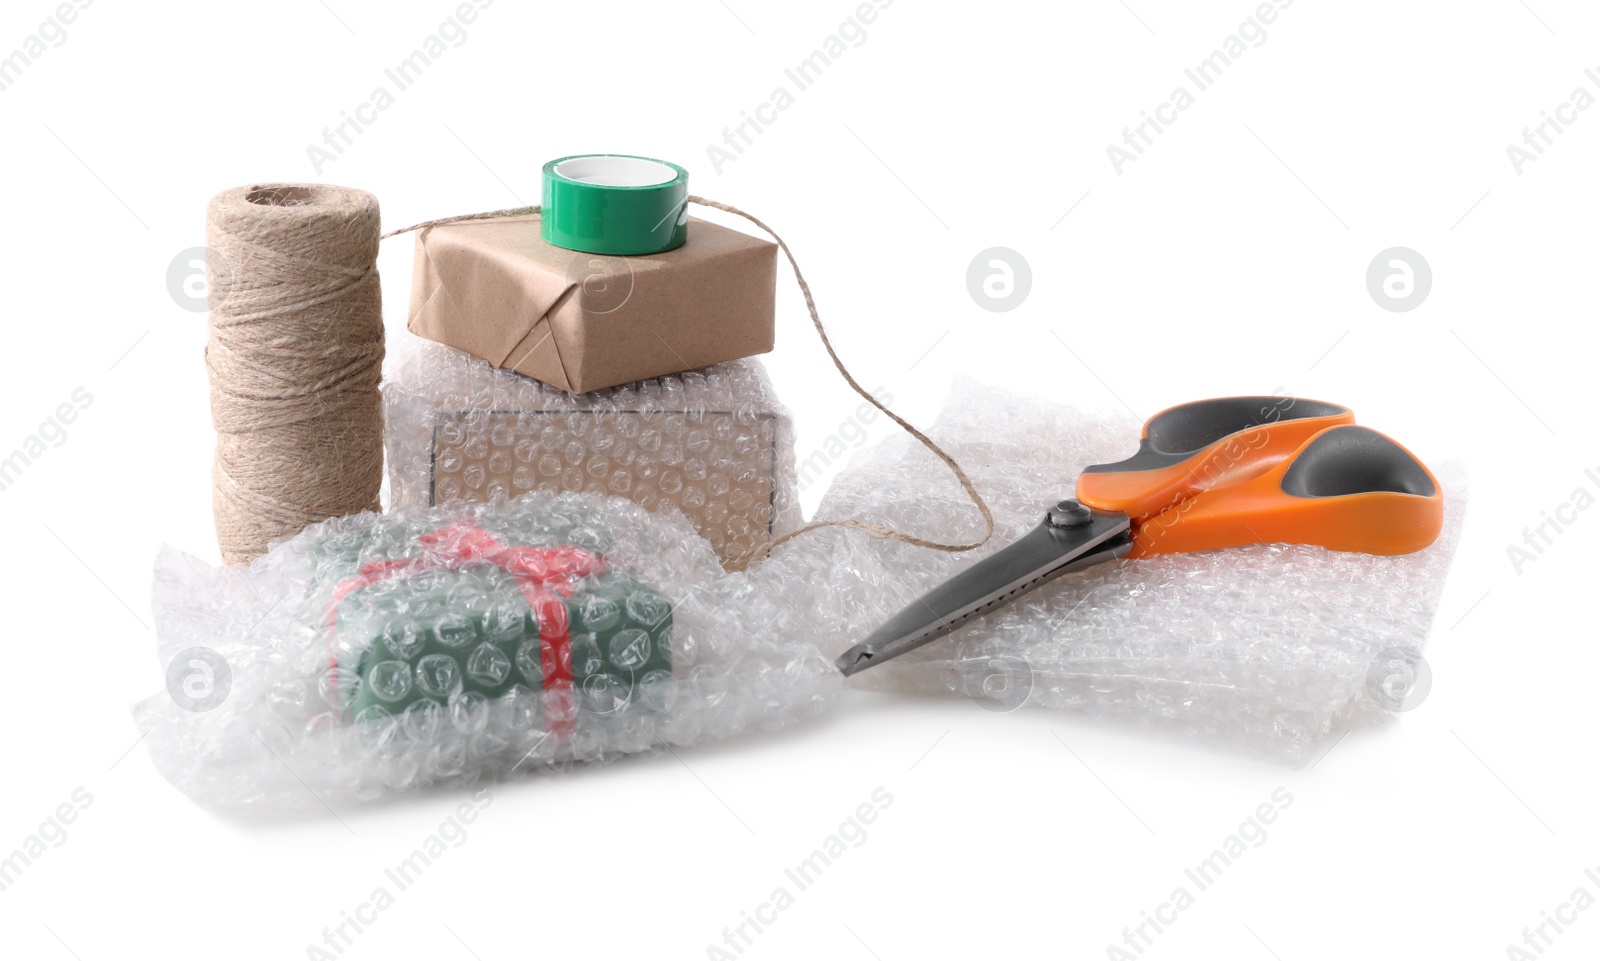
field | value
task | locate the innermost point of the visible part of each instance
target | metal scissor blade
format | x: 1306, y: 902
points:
x: 1046, y: 552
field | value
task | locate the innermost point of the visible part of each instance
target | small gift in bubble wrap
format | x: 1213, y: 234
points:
x: 570, y: 630
x: 468, y: 623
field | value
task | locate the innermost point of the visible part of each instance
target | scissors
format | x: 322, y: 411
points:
x: 1209, y: 474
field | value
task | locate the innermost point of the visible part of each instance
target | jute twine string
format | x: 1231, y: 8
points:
x: 295, y: 358
x: 822, y: 332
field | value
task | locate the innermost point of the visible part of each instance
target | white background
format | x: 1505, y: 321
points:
x: 1231, y: 257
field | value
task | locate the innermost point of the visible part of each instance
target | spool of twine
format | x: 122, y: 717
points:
x: 295, y: 357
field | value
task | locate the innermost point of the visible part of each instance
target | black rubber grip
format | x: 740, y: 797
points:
x: 1174, y: 435
x: 1355, y: 460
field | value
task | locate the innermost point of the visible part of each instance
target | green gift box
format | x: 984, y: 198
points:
x: 469, y: 619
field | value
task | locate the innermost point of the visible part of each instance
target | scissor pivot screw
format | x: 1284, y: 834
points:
x: 1069, y: 513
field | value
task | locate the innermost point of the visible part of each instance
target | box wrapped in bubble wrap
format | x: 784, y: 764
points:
x: 375, y: 654
x: 1272, y: 646
x: 714, y: 443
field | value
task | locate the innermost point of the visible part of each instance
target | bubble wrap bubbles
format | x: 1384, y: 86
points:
x: 422, y: 683
x: 1268, y: 646
x: 713, y: 443
x: 375, y: 654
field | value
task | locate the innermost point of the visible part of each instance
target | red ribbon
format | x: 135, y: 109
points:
x: 545, y: 575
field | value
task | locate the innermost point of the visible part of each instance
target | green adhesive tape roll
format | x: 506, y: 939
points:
x: 615, y: 204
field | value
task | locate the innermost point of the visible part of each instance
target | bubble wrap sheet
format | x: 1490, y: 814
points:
x: 1266, y: 646
x: 283, y: 736
x: 713, y: 443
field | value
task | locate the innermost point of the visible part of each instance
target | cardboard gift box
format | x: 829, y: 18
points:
x: 714, y: 444
x: 583, y: 322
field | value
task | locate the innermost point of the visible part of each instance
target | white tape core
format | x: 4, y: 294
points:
x: 606, y: 171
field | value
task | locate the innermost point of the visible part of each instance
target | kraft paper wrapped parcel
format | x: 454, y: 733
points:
x: 582, y: 322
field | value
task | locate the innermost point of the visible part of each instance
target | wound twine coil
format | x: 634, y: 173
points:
x: 295, y: 358
x: 822, y: 332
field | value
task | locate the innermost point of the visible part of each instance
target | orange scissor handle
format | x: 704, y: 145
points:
x: 1208, y: 443
x: 1348, y: 489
